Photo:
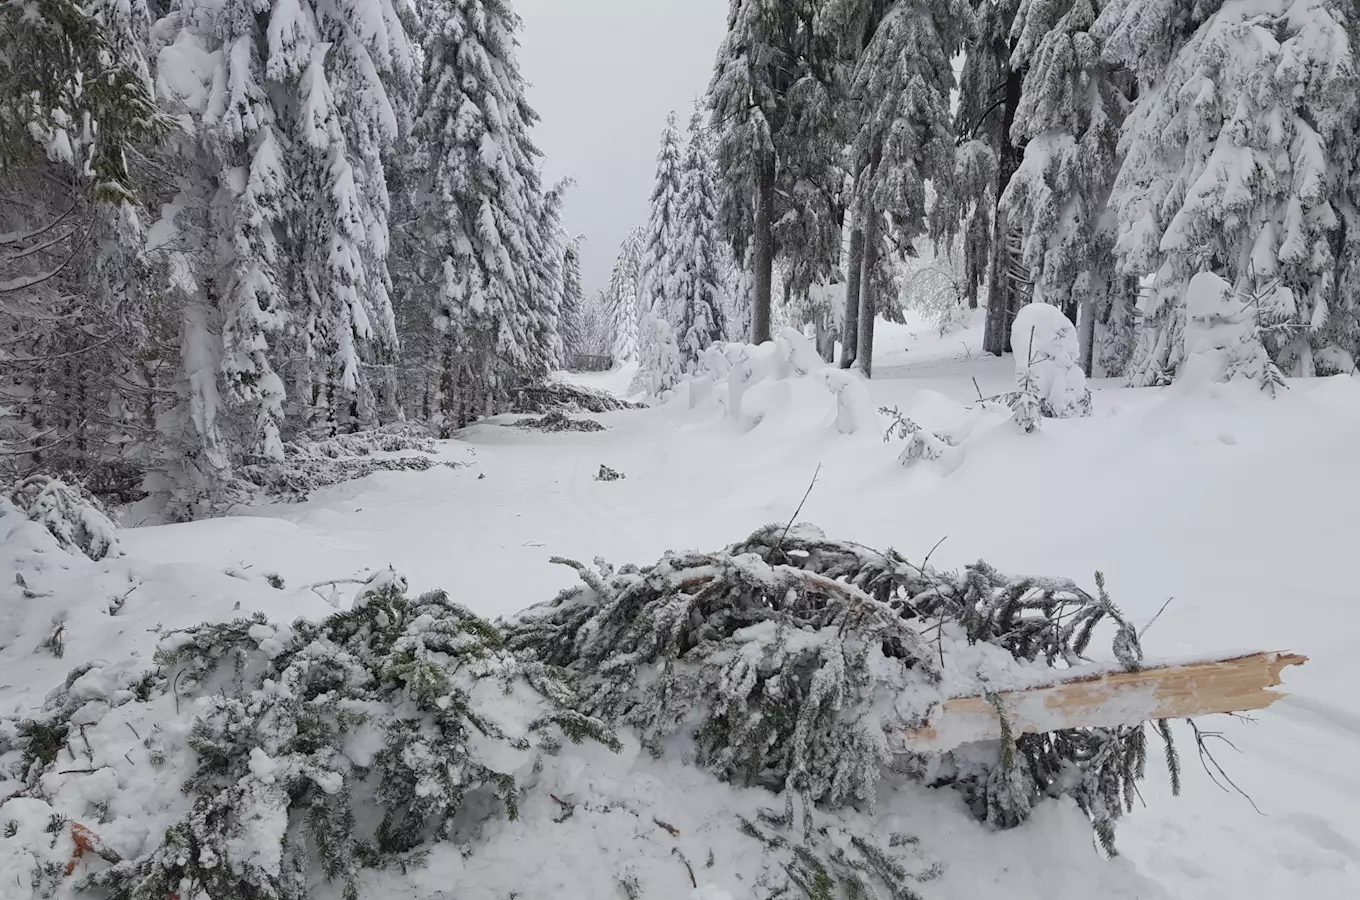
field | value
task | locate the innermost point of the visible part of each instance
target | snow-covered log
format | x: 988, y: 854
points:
x: 1108, y: 700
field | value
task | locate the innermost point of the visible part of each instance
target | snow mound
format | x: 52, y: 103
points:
x: 1222, y: 341
x: 757, y: 384
x: 1048, y: 361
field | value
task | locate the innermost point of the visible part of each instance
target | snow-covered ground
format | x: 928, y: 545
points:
x: 1240, y: 509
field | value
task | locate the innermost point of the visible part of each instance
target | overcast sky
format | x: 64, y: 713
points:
x: 603, y: 74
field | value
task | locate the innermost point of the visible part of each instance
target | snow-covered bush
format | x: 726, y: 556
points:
x: 790, y: 661
x: 309, y: 465
x: 557, y: 421
x: 855, y: 412
x: 1222, y: 337
x: 72, y: 514
x: 348, y: 743
x: 922, y: 444
x: 1048, y: 361
x: 387, y: 439
x: 568, y: 398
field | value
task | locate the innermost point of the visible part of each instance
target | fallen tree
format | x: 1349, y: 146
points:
x: 809, y: 666
x: 257, y: 759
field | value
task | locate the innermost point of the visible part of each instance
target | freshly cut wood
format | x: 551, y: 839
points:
x: 1238, y: 684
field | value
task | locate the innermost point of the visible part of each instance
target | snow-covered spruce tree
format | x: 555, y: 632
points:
x: 1341, y: 333
x: 903, y: 139
x: 549, y: 271
x: 757, y: 65
x: 659, y: 361
x: 596, y: 331
x: 778, y: 84
x: 624, y: 307
x: 290, y: 116
x: 737, y: 288
x: 74, y: 294
x: 300, y: 733
x: 572, y: 325
x: 660, y: 275
x: 989, y: 96
x: 1068, y: 120
x: 694, y: 310
x: 790, y: 660
x: 484, y: 216
x: 1230, y: 165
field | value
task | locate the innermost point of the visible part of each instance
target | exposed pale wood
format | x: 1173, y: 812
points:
x: 1238, y: 684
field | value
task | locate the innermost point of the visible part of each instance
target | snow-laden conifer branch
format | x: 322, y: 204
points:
x: 797, y: 662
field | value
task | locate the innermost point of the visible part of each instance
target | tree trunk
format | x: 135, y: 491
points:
x: 1086, y: 333
x: 1108, y: 700
x: 996, y: 337
x: 850, y: 333
x: 763, y: 250
x: 868, y: 299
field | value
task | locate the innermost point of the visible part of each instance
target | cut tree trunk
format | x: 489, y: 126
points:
x: 1237, y: 684
x: 850, y: 333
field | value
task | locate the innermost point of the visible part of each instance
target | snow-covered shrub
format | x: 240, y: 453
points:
x: 351, y: 743
x: 72, y: 514
x: 386, y: 439
x: 855, y: 410
x: 922, y: 444
x: 794, y: 348
x: 826, y: 863
x: 309, y: 465
x: 544, y: 398
x: 790, y: 660
x: 1222, y: 337
x: 297, y: 477
x: 1048, y: 361
x: 556, y: 421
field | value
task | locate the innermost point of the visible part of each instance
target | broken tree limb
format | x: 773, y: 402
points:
x: 1238, y: 684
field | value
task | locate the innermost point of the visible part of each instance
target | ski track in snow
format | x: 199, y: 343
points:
x: 1240, y: 509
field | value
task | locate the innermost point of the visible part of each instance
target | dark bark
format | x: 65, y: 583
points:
x: 1086, y: 333
x: 1001, y: 300
x: 868, y: 297
x: 762, y: 257
x: 850, y: 333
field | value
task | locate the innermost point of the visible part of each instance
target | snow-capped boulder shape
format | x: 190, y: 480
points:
x: 750, y: 365
x: 1047, y: 360
x: 798, y: 352
x: 1221, y: 337
x: 855, y: 410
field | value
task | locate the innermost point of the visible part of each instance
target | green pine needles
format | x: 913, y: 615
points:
x: 790, y: 661
x: 278, y: 780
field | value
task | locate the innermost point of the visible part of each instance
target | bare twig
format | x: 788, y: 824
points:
x: 688, y: 868
x: 794, y: 517
x: 1154, y: 619
x: 1211, y: 765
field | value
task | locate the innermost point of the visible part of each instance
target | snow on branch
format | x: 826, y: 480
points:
x: 803, y: 664
x: 70, y: 513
